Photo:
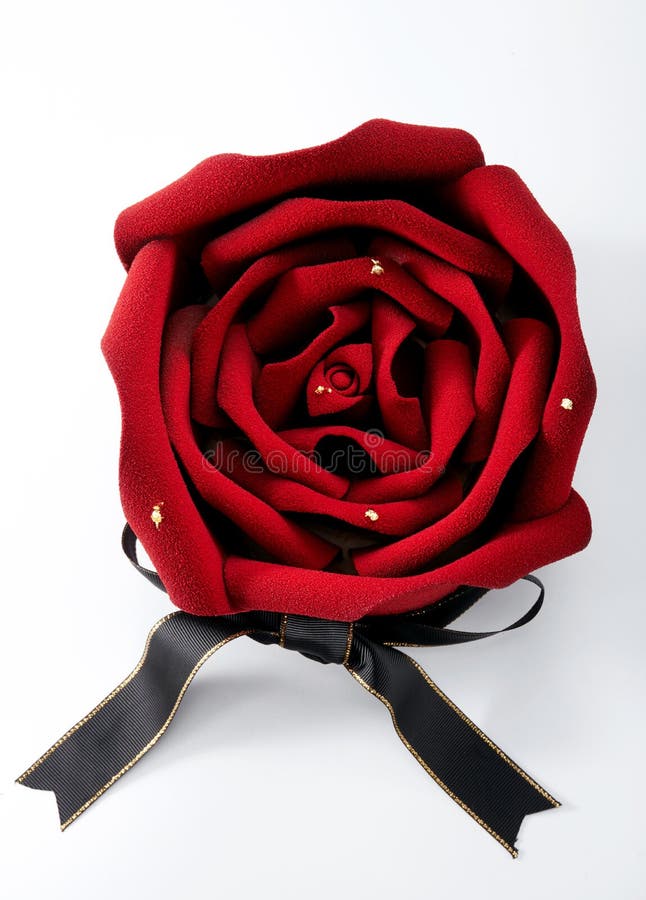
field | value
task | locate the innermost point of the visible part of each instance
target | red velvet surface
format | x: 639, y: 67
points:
x: 341, y: 372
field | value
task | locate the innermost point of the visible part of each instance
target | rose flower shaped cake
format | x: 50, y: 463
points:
x: 352, y: 377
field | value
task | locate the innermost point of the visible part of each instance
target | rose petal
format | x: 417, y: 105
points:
x: 402, y: 415
x: 398, y: 518
x: 449, y: 379
x: 350, y: 409
x: 387, y: 455
x: 377, y: 151
x: 493, y: 367
x: 509, y: 554
x: 302, y: 217
x: 498, y: 203
x: 279, y: 536
x: 530, y: 343
x: 279, y: 384
x: 235, y: 397
x: 148, y: 471
x: 304, y: 293
x: 210, y: 335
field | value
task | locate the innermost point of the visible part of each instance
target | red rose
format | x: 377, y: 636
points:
x: 352, y: 377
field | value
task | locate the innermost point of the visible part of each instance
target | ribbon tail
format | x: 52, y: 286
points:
x: 472, y: 770
x: 116, y: 734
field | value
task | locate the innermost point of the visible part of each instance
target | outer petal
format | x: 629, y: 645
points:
x: 516, y: 550
x: 148, y: 472
x: 496, y: 202
x: 379, y: 151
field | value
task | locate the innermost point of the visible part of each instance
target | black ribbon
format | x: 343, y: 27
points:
x: 476, y: 773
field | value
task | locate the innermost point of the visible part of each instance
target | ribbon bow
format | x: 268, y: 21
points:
x: 109, y: 740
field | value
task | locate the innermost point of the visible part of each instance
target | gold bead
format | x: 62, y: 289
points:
x: 566, y: 403
x: 156, y: 515
x: 372, y: 515
x: 377, y: 268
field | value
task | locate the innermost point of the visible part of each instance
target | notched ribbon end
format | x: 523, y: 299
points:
x: 57, y: 794
x: 548, y: 805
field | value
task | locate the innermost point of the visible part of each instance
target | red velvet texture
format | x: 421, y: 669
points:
x: 386, y: 296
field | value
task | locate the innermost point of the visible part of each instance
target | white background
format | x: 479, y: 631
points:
x: 279, y: 777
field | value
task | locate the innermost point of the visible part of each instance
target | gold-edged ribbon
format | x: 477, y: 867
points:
x: 468, y: 765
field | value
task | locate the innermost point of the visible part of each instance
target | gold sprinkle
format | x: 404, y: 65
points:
x: 377, y: 268
x: 156, y: 515
x: 372, y: 515
x: 566, y: 403
x: 319, y: 389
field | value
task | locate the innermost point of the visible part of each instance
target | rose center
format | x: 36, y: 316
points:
x: 342, y: 378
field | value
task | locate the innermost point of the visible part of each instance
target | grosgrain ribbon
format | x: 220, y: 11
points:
x: 475, y: 772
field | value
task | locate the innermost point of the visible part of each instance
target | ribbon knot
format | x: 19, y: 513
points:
x: 319, y: 639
